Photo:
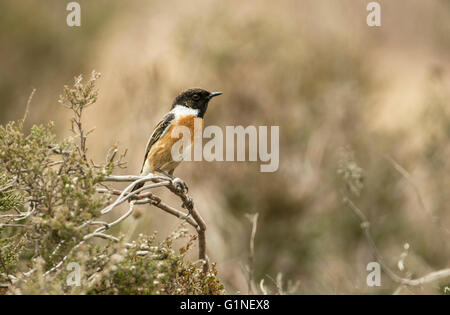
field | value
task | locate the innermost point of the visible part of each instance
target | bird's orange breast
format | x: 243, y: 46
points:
x: 186, y: 121
x: 160, y: 153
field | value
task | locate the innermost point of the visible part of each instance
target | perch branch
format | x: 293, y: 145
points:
x: 146, y: 197
x: 141, y: 196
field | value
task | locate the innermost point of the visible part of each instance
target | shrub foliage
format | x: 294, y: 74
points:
x: 48, y: 192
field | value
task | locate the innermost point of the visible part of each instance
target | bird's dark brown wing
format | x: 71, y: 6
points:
x: 159, y: 130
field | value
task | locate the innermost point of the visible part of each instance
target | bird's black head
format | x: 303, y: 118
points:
x: 196, y: 99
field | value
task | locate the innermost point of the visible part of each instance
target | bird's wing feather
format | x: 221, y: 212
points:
x: 158, y: 132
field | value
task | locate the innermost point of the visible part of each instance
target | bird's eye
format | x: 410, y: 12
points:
x: 195, y: 97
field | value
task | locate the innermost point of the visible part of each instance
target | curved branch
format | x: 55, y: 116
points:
x: 141, y: 197
x: 365, y: 226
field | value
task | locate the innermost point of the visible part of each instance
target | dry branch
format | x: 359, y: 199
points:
x: 410, y: 180
x: 27, y: 107
x: 365, y: 226
x: 253, y: 218
x: 142, y: 196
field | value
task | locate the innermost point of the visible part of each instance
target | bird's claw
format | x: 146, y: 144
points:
x: 180, y: 184
x: 189, y: 205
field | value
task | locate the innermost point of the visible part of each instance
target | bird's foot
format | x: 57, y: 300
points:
x: 189, y: 205
x: 177, y: 182
x: 180, y: 184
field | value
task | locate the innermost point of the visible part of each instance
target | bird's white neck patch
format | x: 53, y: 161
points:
x: 180, y: 110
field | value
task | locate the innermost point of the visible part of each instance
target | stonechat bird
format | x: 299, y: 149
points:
x: 187, y: 106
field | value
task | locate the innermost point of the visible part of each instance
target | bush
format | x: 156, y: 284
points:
x: 49, y: 201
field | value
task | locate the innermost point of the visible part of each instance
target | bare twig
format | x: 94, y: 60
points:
x: 142, y: 196
x: 124, y: 196
x: 21, y: 215
x: 132, y: 178
x: 5, y: 188
x: 365, y: 226
x: 253, y: 218
x: 2, y: 263
x: 262, y: 287
x: 58, y: 264
x: 110, y: 225
x: 201, y: 230
x: 13, y: 225
x: 149, y: 198
x: 278, y: 282
x: 27, y: 108
x: 102, y: 235
x: 197, y: 221
x: 9, y: 185
x: 410, y: 180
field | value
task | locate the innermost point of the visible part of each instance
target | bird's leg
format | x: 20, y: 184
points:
x: 190, y: 205
x: 165, y: 173
x: 178, y: 182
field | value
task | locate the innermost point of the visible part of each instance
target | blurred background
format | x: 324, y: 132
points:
x: 343, y: 94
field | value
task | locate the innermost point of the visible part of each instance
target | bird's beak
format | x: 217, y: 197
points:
x: 213, y: 94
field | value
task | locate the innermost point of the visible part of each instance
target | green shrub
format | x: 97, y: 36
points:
x: 48, y: 192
